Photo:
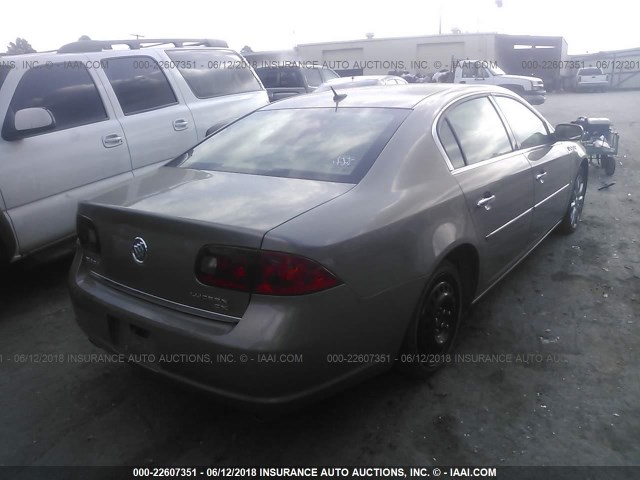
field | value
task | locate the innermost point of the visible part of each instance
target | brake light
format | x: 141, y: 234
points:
x: 285, y: 274
x: 87, y: 234
x: 226, y: 267
x: 263, y: 272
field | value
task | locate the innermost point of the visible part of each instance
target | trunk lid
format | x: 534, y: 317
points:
x: 176, y: 212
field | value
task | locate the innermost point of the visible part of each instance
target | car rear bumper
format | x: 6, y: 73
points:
x: 279, y: 353
x: 588, y: 85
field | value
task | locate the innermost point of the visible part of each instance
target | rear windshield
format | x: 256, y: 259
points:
x: 590, y: 71
x: 211, y: 73
x: 311, y: 143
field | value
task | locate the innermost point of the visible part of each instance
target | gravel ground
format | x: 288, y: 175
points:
x: 563, y: 391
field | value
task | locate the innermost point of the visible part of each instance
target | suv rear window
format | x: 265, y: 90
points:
x: 214, y: 73
x: 590, y: 71
x: 310, y: 143
x: 4, y: 71
x: 280, y: 77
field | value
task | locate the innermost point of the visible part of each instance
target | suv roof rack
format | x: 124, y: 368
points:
x: 84, y: 46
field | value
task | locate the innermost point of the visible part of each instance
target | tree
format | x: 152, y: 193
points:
x: 19, y: 47
x: 246, y: 49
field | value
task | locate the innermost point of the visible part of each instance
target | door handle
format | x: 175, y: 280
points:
x: 486, y: 202
x: 540, y: 176
x: 112, y: 140
x: 180, y: 124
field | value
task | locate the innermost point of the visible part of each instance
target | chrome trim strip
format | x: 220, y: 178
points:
x: 529, y: 210
x: 551, y: 196
x: 515, y: 264
x: 165, y: 303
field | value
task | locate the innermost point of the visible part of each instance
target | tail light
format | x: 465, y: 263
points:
x: 87, y: 234
x: 263, y: 272
x: 579, y: 79
x: 226, y: 267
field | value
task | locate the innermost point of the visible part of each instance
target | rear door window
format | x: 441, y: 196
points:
x: 590, y: 71
x: 68, y: 92
x: 139, y: 84
x: 211, y: 73
x: 479, y: 130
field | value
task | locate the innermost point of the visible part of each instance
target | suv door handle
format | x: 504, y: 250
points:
x: 486, y: 202
x: 540, y: 176
x: 112, y: 140
x: 180, y: 124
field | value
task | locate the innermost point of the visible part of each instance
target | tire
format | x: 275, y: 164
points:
x: 571, y: 219
x: 609, y: 164
x: 434, y: 328
x: 4, y: 256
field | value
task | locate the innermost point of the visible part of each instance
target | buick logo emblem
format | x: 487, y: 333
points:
x: 139, y: 250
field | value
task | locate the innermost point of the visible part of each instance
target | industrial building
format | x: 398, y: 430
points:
x: 543, y: 57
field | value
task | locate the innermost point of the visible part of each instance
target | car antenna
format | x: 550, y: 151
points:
x: 338, y: 97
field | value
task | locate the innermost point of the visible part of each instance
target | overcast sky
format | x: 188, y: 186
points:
x: 587, y: 25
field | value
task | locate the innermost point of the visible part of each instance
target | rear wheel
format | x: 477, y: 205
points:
x: 433, y: 331
x: 609, y: 164
x: 4, y: 255
x: 572, y: 217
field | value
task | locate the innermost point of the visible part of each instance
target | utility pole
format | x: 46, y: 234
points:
x: 136, y: 35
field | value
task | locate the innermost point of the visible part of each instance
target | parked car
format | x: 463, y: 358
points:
x: 591, y: 78
x: 289, y: 79
x: 361, y: 81
x: 476, y: 72
x: 82, y: 119
x: 323, y: 238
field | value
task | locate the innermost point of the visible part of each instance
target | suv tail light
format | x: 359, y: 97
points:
x: 263, y: 272
x: 87, y: 234
x: 579, y: 79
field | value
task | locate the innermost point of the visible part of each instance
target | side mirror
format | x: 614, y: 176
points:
x: 28, y: 121
x: 568, y: 131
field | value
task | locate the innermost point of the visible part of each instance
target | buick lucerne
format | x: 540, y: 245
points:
x: 323, y: 238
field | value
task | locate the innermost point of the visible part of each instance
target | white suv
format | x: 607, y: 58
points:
x: 80, y: 120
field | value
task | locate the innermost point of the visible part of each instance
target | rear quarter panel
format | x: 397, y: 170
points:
x: 394, y: 227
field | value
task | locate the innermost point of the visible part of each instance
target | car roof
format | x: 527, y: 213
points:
x: 396, y: 96
x: 359, y: 77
